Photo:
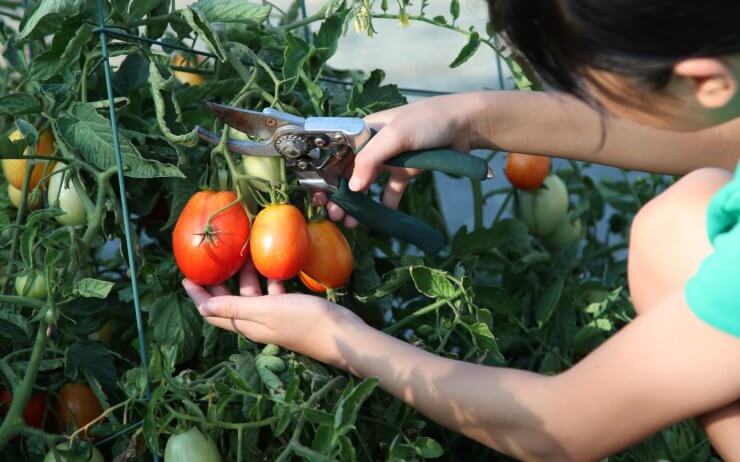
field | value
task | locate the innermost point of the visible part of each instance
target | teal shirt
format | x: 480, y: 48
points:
x: 714, y: 292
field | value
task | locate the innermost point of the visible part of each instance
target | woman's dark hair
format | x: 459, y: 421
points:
x: 638, y: 39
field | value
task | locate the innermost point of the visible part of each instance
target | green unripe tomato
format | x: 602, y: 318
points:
x: 192, y: 446
x: 544, y: 208
x: 37, y: 288
x: 565, y: 233
x: 68, y: 200
x: 88, y: 454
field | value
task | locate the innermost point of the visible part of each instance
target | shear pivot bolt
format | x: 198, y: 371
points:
x: 291, y: 146
x: 339, y: 138
x: 320, y: 142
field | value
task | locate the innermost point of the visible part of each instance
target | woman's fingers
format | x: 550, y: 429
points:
x: 218, y: 290
x: 394, y: 191
x: 249, y: 283
x: 252, y: 330
x: 275, y: 287
x: 198, y: 294
x: 335, y: 212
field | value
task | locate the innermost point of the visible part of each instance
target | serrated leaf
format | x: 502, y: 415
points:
x: 92, y: 288
x: 549, y: 302
x: 207, y: 91
x: 295, y: 56
x: 238, y: 11
x: 16, y: 104
x: 16, y: 320
x: 200, y: 26
x: 49, y: 11
x: 391, y: 282
x: 427, y: 448
x: 132, y: 74
x: 328, y: 36
x: 68, y: 43
x: 90, y: 133
x: 484, y: 339
x: 433, y: 282
x: 468, y: 50
x: 370, y: 96
x: 173, y: 321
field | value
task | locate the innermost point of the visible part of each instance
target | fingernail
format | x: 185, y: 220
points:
x: 354, y: 184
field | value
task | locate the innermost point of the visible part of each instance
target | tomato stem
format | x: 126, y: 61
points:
x: 420, y: 312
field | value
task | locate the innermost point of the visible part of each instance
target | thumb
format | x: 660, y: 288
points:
x: 386, y: 144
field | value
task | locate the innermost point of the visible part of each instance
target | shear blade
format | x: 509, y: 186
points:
x: 252, y: 148
x: 253, y: 123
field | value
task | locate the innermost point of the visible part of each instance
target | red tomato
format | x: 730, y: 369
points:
x: 33, y: 414
x: 76, y: 406
x: 211, y: 256
x: 279, y: 242
x: 329, y: 262
x: 526, y: 171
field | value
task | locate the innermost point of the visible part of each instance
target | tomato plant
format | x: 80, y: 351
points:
x: 191, y: 445
x: 279, y: 242
x: 329, y: 261
x: 210, y: 238
x: 76, y: 406
x: 499, y: 294
x: 526, y: 171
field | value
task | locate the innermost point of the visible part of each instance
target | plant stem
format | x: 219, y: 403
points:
x: 420, y: 312
x: 501, y: 209
x: 21, y: 394
x: 18, y: 220
x: 478, y: 203
x: 94, y: 221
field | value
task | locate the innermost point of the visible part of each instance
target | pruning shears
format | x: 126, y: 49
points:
x: 320, y: 149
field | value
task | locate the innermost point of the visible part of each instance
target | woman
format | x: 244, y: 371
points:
x: 648, y: 86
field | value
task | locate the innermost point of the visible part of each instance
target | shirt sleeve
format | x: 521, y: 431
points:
x: 714, y: 292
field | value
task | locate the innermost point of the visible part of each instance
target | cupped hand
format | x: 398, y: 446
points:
x: 302, y: 323
x: 442, y: 121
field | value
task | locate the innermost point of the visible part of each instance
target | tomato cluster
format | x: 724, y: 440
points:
x: 212, y: 239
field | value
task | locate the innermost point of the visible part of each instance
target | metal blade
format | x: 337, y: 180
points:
x: 253, y: 123
x: 252, y: 148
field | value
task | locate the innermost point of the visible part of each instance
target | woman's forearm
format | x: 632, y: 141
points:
x: 562, y: 126
x: 491, y: 405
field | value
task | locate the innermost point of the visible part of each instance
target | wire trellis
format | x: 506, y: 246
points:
x: 104, y: 32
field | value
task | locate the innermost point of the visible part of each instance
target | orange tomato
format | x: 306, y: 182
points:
x: 186, y: 77
x: 14, y: 194
x: 279, y: 241
x: 527, y: 171
x: 76, y: 406
x: 15, y: 169
x: 329, y: 262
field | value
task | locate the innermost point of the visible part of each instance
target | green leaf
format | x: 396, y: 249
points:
x: 174, y: 322
x: 16, y: 104
x: 348, y: 406
x: 455, y: 9
x: 295, y: 56
x: 48, y: 12
x: 328, y: 36
x: 139, y: 8
x: 209, y: 90
x: 201, y: 27
x: 427, y: 448
x: 132, y: 74
x: 392, y: 281
x: 468, y: 50
x: 433, y: 282
x: 16, y: 320
x: 318, y: 417
x: 91, y: 356
x: 238, y: 11
x: 65, y: 50
x: 90, y: 133
x: 549, y: 302
x: 92, y: 288
x: 370, y: 96
x: 483, y: 337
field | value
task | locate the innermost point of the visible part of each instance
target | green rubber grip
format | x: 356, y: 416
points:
x: 390, y: 222
x: 443, y: 160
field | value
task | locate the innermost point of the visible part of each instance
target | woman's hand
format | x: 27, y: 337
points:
x: 442, y: 121
x: 301, y: 323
